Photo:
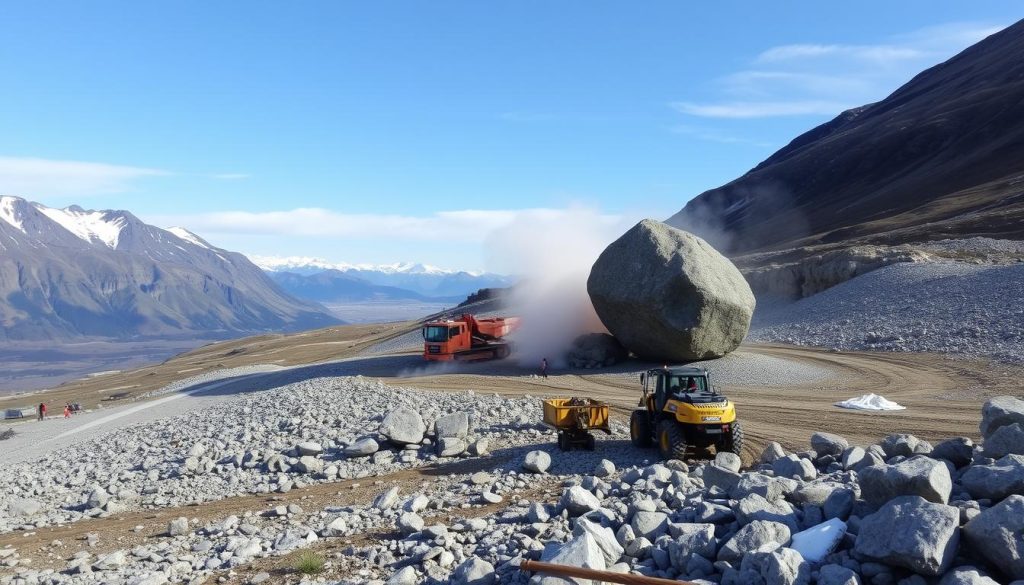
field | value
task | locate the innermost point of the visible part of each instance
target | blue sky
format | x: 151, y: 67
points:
x: 387, y: 131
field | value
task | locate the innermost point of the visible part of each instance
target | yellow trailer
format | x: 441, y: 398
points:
x: 574, y: 419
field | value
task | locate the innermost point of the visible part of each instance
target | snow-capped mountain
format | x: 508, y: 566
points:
x: 421, y: 280
x: 72, y: 273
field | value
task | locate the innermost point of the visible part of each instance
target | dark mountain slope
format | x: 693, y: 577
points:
x: 943, y: 156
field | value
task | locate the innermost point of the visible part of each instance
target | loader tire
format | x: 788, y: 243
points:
x: 640, y: 429
x: 671, y: 440
x: 734, y: 442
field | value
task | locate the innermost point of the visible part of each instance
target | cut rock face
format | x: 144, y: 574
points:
x: 667, y: 295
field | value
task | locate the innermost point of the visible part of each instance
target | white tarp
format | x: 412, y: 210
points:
x: 870, y: 402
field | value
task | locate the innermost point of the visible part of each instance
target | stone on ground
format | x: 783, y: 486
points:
x: 959, y: 451
x: 995, y: 481
x: 730, y: 461
x: 178, y: 527
x: 579, y: 501
x: 537, y: 461
x: 917, y: 476
x: 996, y: 535
x: 837, y: 575
x: 474, y: 571
x: 455, y: 424
x: 966, y: 575
x: 912, y: 533
x: 828, y: 444
x: 603, y: 537
x: 362, y: 448
x: 596, y: 350
x: 1005, y: 440
x: 757, y: 535
x: 403, y: 426
x: 1001, y: 411
x: 666, y: 294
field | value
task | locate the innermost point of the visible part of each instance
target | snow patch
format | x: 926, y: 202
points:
x: 189, y: 237
x: 92, y: 226
x: 289, y: 263
x: 870, y: 402
x: 817, y: 542
x: 8, y: 213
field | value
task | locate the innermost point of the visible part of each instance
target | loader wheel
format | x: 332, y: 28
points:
x: 640, y: 429
x: 671, y: 440
x: 734, y: 442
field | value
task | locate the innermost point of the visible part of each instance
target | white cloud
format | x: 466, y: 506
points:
x: 467, y: 225
x: 866, y: 52
x: 38, y: 177
x: 759, y: 109
x: 823, y: 79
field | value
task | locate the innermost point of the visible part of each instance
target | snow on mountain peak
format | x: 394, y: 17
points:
x: 189, y: 237
x: 10, y: 213
x: 92, y: 226
x: 306, y: 264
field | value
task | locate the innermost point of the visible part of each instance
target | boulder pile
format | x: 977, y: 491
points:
x: 596, y: 350
x: 900, y: 512
x: 667, y: 295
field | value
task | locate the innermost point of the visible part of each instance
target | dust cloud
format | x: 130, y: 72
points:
x: 552, y: 252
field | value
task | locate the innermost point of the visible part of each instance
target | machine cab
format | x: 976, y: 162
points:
x: 689, y: 384
x: 445, y: 338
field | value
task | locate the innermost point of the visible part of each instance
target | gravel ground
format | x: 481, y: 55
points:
x: 950, y: 307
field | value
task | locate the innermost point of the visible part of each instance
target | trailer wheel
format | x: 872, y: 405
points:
x: 591, y: 442
x: 564, y: 442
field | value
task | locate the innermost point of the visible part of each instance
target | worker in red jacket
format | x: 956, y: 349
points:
x: 42, y: 410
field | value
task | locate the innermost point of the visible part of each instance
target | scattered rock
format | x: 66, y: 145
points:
x: 913, y: 533
x: 918, y: 476
x: 1001, y: 411
x: 995, y: 534
x: 828, y: 444
x: 403, y: 426
x: 537, y: 462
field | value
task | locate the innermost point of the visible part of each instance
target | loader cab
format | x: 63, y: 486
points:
x: 687, y: 384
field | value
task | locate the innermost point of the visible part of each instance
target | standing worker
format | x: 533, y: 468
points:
x: 67, y: 410
x: 42, y: 410
x: 544, y: 367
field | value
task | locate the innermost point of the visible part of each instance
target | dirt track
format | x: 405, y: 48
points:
x: 943, y: 396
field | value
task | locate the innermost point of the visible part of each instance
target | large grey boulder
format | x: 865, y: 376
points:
x: 770, y: 488
x: 537, y: 461
x: 403, y: 426
x: 579, y: 501
x: 828, y: 444
x: 758, y: 535
x: 792, y: 466
x: 474, y: 571
x: 362, y: 448
x: 650, y: 525
x: 917, y: 476
x: 754, y: 507
x: 996, y: 481
x: 913, y: 533
x: 455, y: 424
x: 995, y: 534
x: 581, y: 551
x: 1001, y: 411
x: 967, y: 575
x: 720, y: 477
x: 837, y: 575
x: 959, y: 451
x: 1005, y: 440
x: 667, y: 295
x: 899, y: 445
x: 603, y: 537
x: 783, y: 566
x: 689, y: 540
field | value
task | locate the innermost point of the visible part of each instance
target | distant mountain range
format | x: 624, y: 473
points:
x: 942, y: 157
x: 323, y: 281
x: 68, y: 274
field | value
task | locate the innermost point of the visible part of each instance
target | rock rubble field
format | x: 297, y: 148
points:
x: 902, y: 511
x: 972, y: 310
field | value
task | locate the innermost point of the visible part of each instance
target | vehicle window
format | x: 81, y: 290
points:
x: 435, y: 333
x: 455, y: 331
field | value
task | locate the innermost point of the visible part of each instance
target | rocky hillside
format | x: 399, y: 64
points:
x: 942, y: 157
x: 67, y: 274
